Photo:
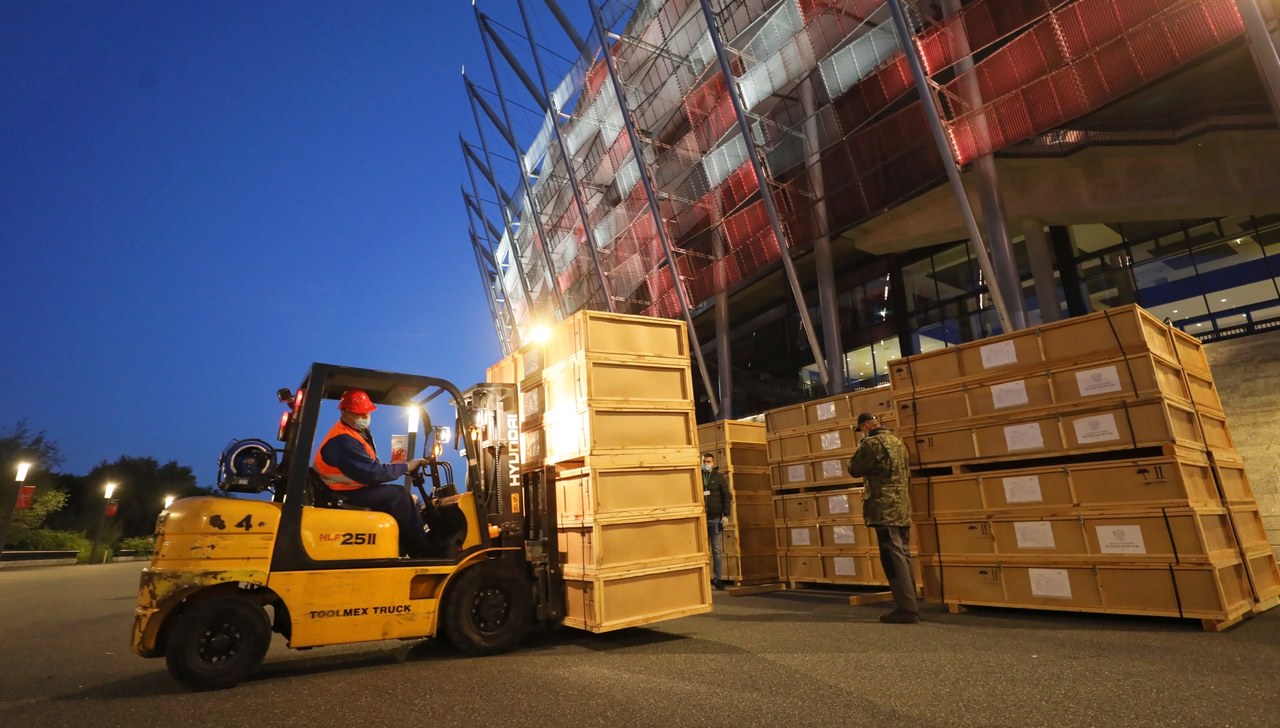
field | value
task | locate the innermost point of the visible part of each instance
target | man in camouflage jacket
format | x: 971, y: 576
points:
x: 881, y: 461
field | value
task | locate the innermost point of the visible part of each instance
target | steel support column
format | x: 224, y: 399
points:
x: 1262, y: 44
x: 659, y: 224
x: 934, y: 120
x: 828, y: 298
x: 472, y: 161
x: 548, y: 105
x: 766, y: 193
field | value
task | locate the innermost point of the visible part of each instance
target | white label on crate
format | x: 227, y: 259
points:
x: 1023, y: 437
x: 999, y: 354
x: 1009, y: 394
x: 845, y: 566
x: 826, y: 410
x: 800, y: 537
x: 842, y: 534
x: 832, y: 469
x: 1050, y: 583
x: 1098, y: 381
x: 1121, y: 540
x: 1099, y: 428
x: 830, y: 440
x: 794, y: 473
x: 1034, y: 534
x: 1023, y: 489
x: 838, y: 503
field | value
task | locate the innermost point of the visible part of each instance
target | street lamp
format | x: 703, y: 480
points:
x: 23, y: 469
x: 106, y: 508
x: 168, y: 501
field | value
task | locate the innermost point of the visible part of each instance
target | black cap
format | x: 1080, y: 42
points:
x: 865, y: 417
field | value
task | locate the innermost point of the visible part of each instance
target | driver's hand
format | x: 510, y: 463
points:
x: 416, y: 463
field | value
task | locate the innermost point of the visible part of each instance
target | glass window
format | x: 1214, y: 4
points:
x: 954, y: 272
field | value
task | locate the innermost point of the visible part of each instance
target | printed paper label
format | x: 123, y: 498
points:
x: 826, y: 410
x: 1023, y: 437
x: 831, y: 440
x: 845, y: 566
x: 1050, y: 583
x: 842, y: 534
x: 399, y: 448
x: 1121, y: 540
x: 1099, y: 428
x: 1034, y: 534
x: 1098, y: 381
x: 800, y: 537
x: 832, y: 469
x: 1009, y: 394
x: 1023, y: 489
x: 999, y: 354
x: 794, y: 473
x: 838, y: 503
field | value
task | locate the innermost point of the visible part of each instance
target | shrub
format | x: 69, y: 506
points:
x: 144, y: 545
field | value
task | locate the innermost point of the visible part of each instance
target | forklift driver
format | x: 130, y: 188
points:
x: 347, y: 462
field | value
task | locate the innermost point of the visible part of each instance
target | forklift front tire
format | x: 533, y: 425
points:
x: 217, y: 643
x: 488, y: 609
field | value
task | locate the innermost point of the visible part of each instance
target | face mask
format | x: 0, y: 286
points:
x: 706, y: 467
x: 361, y: 422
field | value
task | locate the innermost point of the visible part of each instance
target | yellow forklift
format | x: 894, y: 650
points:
x: 228, y: 571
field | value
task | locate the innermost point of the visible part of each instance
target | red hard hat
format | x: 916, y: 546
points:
x: 356, y: 401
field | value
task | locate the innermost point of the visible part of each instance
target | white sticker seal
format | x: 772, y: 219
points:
x: 842, y: 534
x: 826, y: 410
x: 1022, y: 489
x: 831, y: 440
x: 1009, y: 394
x: 800, y: 537
x: 845, y: 566
x: 1093, y: 382
x: 1034, y: 534
x: 794, y: 473
x: 832, y: 469
x: 838, y: 503
x: 1023, y: 437
x: 1121, y: 540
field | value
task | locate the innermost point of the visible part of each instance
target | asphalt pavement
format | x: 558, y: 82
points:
x: 790, y: 658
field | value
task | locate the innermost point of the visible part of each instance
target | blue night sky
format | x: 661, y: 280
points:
x: 201, y: 198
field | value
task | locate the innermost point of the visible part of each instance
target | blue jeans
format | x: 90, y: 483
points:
x: 715, y: 537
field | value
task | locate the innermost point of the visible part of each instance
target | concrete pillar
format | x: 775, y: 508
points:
x: 1041, y: 257
x: 828, y: 297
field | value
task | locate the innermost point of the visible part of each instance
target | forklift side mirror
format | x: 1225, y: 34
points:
x: 443, y: 434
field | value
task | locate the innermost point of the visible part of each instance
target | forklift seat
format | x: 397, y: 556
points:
x: 322, y: 496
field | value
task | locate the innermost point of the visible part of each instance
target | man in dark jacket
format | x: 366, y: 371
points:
x: 717, y: 499
x: 881, y: 461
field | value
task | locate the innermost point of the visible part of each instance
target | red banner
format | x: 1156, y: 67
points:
x: 112, y: 505
x: 26, y: 494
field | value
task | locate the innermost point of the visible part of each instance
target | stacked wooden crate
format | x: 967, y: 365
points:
x: 750, y: 556
x: 820, y: 534
x: 1084, y: 465
x: 607, y: 401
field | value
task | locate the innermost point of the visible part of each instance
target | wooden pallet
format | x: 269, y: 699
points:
x: 1209, y: 625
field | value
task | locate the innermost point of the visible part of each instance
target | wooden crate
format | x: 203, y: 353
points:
x: 1155, y: 536
x: 597, y: 332
x: 740, y: 540
x: 749, y: 481
x: 785, y: 419
x: 583, y: 381
x: 825, y: 472
x: 1217, y: 592
x: 1189, y: 351
x: 799, y: 507
x: 1132, y: 378
x: 801, y: 567
x: 1182, y: 478
x: 609, y: 430
x: 876, y: 400
x: 846, y: 536
x: 752, y: 509
x: 504, y: 372
x: 793, y: 538
x: 751, y: 568
x: 739, y: 457
x: 1246, y: 522
x: 722, y: 432
x: 1106, y: 334
x: 1154, y: 422
x: 1264, y: 577
x: 634, y: 542
x: 1229, y: 470
x: 603, y: 603
x: 852, y: 568
x: 582, y: 494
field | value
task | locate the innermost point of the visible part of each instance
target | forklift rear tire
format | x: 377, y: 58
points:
x: 487, y: 610
x: 217, y: 643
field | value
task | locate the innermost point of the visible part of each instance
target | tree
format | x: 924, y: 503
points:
x: 20, y: 445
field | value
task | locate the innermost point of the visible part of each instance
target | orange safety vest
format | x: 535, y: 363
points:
x: 333, y: 477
